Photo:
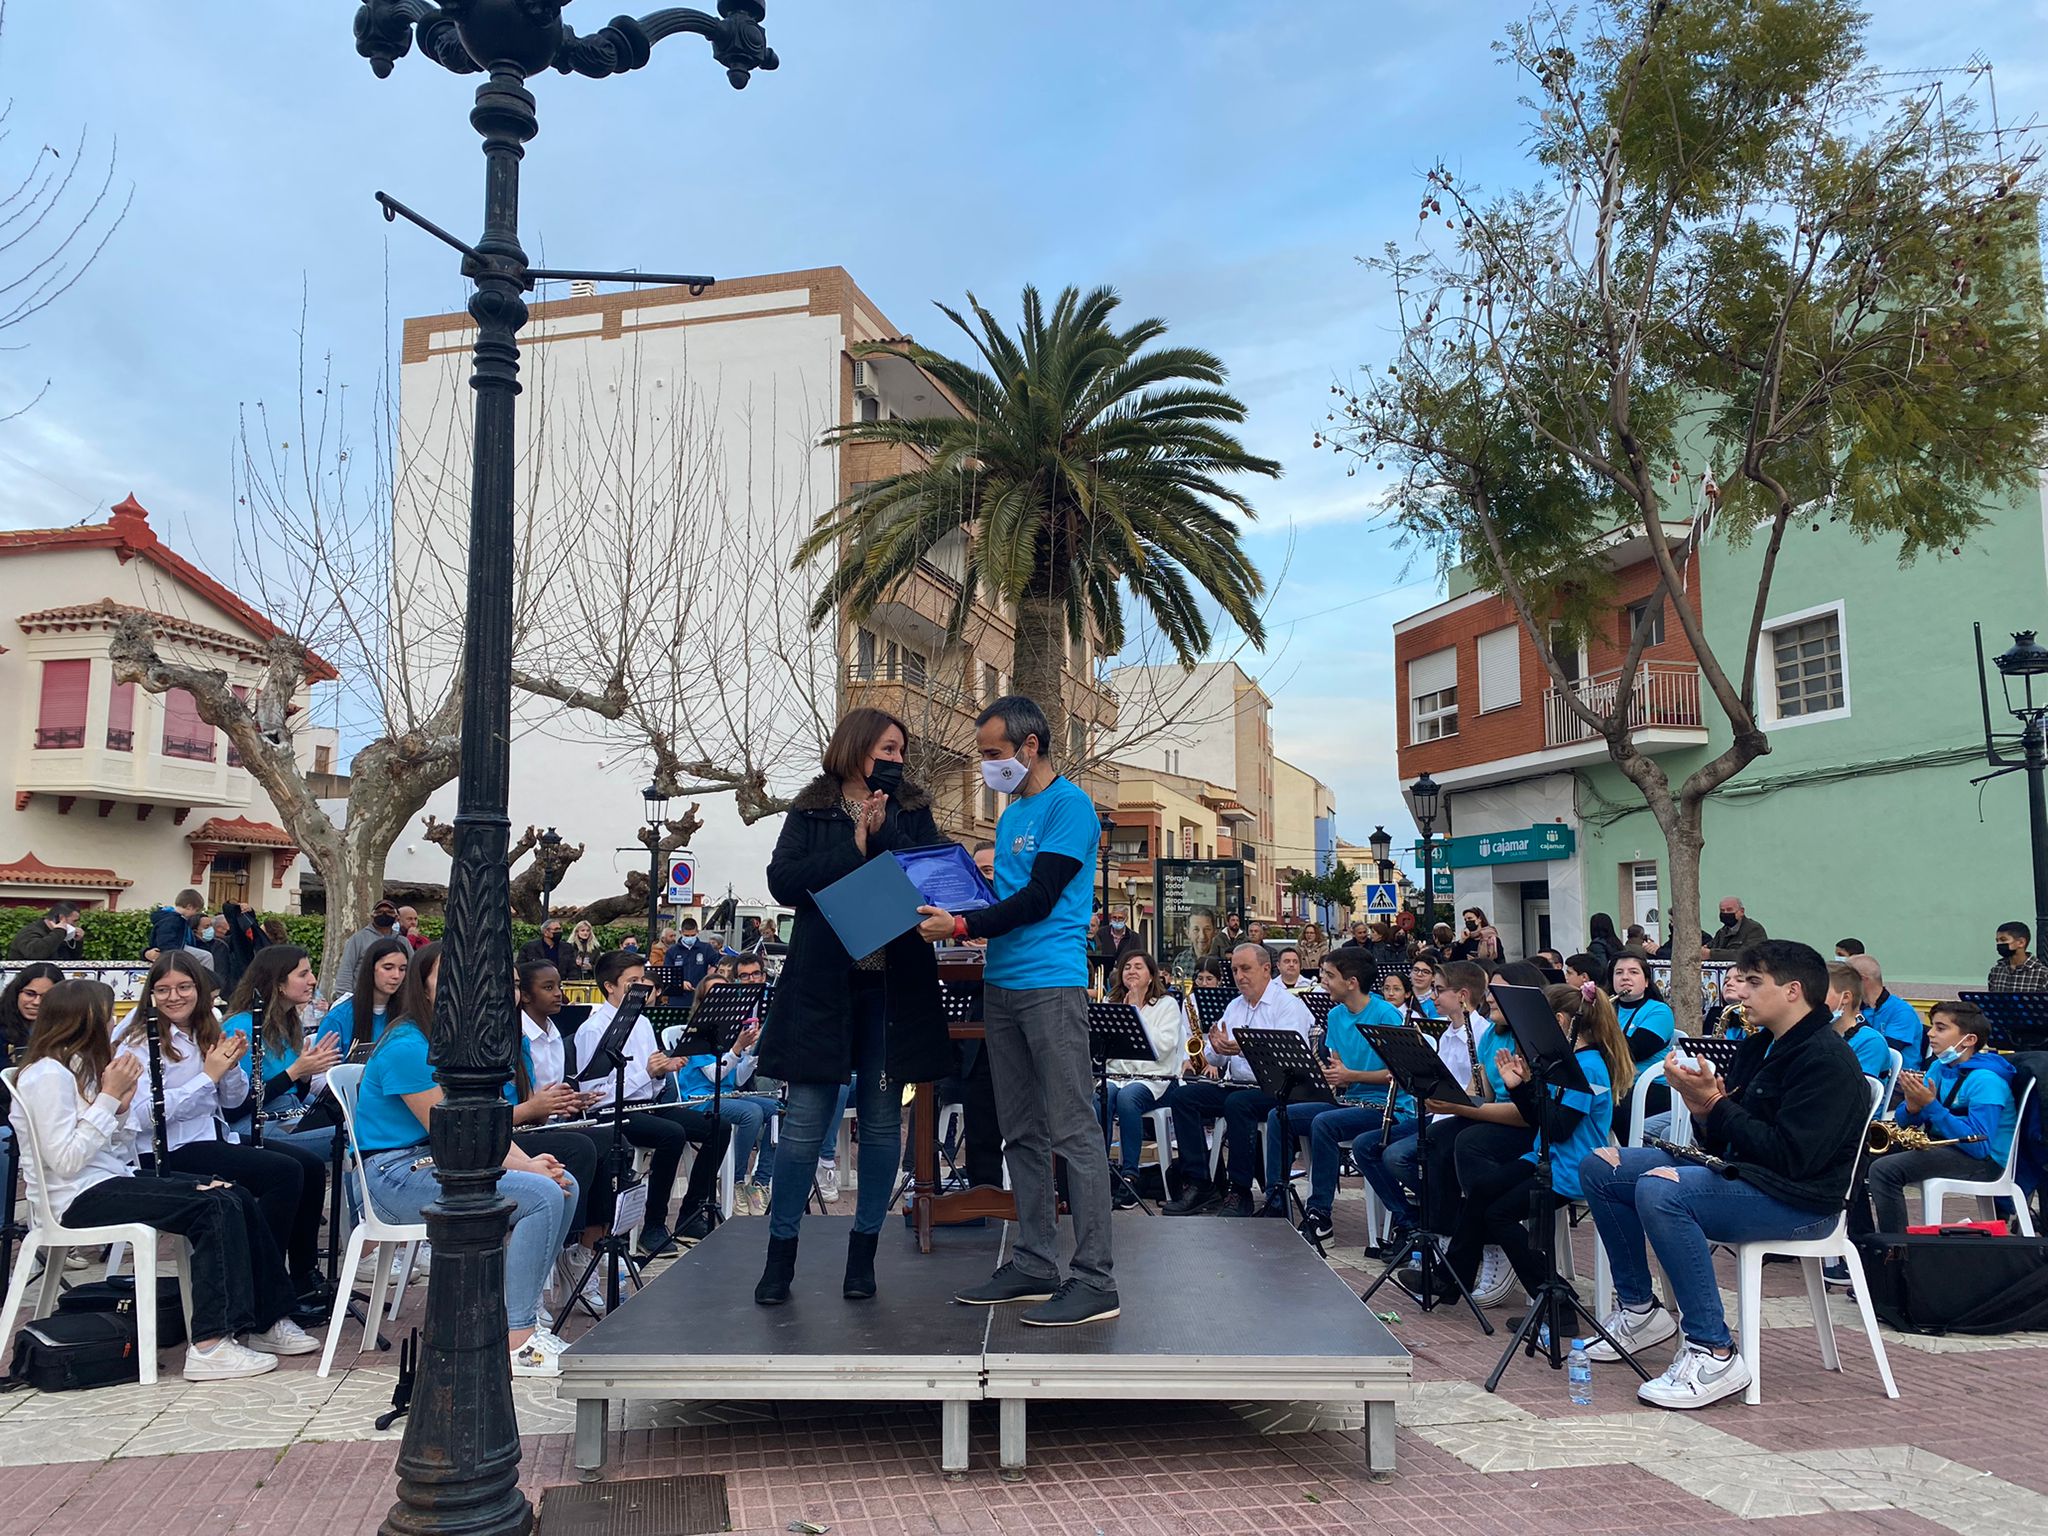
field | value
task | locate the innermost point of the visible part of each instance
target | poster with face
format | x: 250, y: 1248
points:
x: 1193, y: 896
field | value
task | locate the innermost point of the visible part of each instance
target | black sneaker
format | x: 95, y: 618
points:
x: 1237, y: 1203
x: 655, y: 1240
x: 1276, y: 1208
x: 1121, y: 1197
x: 1835, y: 1272
x: 1316, y: 1226
x: 697, y: 1225
x: 1193, y: 1200
x: 1072, y: 1304
x: 1009, y: 1283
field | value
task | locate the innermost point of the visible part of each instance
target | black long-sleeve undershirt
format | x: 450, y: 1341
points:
x: 1050, y: 875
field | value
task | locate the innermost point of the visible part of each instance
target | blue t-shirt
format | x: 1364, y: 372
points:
x: 1648, y: 1017
x: 1591, y: 1133
x: 397, y: 1066
x: 1873, y: 1051
x: 275, y: 1059
x: 1901, y: 1025
x: 1356, y: 1052
x: 1498, y: 1037
x: 512, y: 1082
x: 1052, y: 952
x: 339, y: 1024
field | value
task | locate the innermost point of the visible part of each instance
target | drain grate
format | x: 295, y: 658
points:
x: 635, y: 1506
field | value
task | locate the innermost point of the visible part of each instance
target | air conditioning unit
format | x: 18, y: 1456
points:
x: 864, y: 382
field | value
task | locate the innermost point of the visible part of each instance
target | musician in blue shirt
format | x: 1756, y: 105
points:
x: 1845, y: 1002
x: 1897, y: 1019
x: 1967, y: 1092
x: 1363, y: 1084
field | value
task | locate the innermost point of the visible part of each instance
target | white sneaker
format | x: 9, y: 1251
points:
x: 1696, y: 1378
x: 549, y: 1340
x: 1496, y: 1280
x: 757, y: 1199
x: 534, y: 1359
x: 593, y: 1289
x: 1633, y: 1331
x: 283, y: 1337
x: 828, y: 1180
x: 226, y: 1361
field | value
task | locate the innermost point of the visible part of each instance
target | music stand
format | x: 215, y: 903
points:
x: 669, y: 980
x: 609, y: 1059
x: 1209, y: 1004
x: 720, y: 1017
x: 1421, y: 1074
x: 1116, y: 1032
x: 2019, y: 1020
x: 1319, y: 1005
x: 1718, y: 1049
x: 1286, y: 1067
x: 1552, y: 1066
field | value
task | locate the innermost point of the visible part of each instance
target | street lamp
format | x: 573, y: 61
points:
x: 656, y: 817
x: 550, y: 840
x: 1382, y: 845
x: 2020, y: 666
x: 458, y: 1469
x: 1424, y: 800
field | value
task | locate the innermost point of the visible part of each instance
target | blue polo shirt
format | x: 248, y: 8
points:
x: 1873, y: 1051
x: 339, y: 1024
x: 1052, y: 952
x: 397, y: 1066
x: 1900, y: 1024
x: 1648, y: 1017
x: 1355, y: 1051
x: 1591, y: 1133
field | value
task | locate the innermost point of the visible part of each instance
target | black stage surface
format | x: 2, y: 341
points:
x: 1212, y: 1311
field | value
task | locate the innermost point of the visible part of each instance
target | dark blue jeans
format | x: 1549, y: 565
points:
x: 1329, y: 1133
x: 813, y: 1114
x: 1301, y: 1120
x: 1129, y: 1104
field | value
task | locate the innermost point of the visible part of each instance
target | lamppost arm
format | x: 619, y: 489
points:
x: 387, y: 29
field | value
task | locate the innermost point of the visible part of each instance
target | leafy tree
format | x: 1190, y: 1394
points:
x: 1747, y: 250
x: 1080, y: 460
x: 1338, y: 885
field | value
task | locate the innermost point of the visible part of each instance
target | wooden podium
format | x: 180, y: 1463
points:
x: 929, y: 1204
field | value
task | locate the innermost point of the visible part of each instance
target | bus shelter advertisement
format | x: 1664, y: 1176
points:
x: 1195, y: 895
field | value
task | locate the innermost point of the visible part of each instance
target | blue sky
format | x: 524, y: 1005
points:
x: 1221, y: 162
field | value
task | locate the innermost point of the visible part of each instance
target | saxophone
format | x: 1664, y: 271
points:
x: 1883, y: 1136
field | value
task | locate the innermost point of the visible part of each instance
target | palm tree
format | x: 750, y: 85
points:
x: 1078, y: 463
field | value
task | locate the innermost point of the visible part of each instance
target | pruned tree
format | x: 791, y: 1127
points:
x: 1759, y: 287
x: 550, y: 863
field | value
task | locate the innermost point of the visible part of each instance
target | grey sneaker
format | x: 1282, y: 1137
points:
x: 1696, y: 1378
x: 1073, y: 1303
x: 1008, y: 1283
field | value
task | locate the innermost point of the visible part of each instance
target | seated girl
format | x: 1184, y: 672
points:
x: 359, y: 1018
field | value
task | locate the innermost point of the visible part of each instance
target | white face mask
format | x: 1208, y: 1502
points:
x: 1003, y: 774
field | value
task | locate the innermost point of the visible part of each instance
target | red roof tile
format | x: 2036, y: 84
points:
x: 240, y: 832
x: 30, y: 870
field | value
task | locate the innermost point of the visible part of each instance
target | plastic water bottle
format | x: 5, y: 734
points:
x: 1578, y: 1370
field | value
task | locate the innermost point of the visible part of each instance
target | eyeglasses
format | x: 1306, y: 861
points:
x: 174, y: 989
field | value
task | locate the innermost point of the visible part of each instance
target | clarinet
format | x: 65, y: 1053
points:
x: 154, y: 1040
x: 256, y: 1084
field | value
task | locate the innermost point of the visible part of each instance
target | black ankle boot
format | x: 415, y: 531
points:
x: 860, y: 1266
x: 773, y: 1289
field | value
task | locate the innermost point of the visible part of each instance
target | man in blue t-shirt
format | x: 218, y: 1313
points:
x: 1035, y: 1017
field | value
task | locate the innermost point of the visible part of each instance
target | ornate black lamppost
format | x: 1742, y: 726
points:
x: 2025, y: 662
x: 1425, y: 798
x: 656, y: 817
x: 458, y: 1468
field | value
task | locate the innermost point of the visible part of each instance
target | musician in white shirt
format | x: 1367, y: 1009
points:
x: 1136, y: 1086
x: 665, y: 1130
x: 539, y: 1093
x: 1227, y: 1086
x: 1292, y: 976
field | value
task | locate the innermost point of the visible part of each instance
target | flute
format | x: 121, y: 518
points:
x: 154, y: 1041
x: 256, y: 1084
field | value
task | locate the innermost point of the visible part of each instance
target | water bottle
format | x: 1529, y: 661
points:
x: 1578, y: 1370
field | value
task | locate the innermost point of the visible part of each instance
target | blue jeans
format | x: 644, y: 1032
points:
x: 1680, y: 1218
x: 1300, y: 1120
x: 1331, y: 1132
x: 813, y: 1112
x: 541, y: 1214
x: 828, y: 1149
x: 1129, y: 1104
x: 746, y: 1116
x: 1388, y: 1164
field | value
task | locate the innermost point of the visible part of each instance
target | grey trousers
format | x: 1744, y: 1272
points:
x: 1045, y: 1103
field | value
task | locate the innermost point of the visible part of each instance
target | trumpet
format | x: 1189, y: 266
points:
x: 1883, y: 1137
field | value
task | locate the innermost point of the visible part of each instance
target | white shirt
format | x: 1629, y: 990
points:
x: 1454, y: 1049
x: 640, y: 1044
x: 1166, y: 1026
x: 1277, y: 1008
x: 193, y: 1102
x: 80, y: 1135
x: 544, y: 1043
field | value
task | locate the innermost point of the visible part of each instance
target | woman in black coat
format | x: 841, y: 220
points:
x: 875, y: 1018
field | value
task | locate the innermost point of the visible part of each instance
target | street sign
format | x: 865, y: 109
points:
x: 1445, y: 883
x: 682, y: 879
x: 1381, y: 901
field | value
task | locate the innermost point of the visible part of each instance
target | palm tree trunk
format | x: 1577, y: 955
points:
x: 1037, y: 664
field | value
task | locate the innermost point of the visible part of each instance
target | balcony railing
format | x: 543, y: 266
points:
x: 1666, y: 696
x: 52, y: 738
x: 120, y: 741
x: 918, y: 680
x: 192, y: 748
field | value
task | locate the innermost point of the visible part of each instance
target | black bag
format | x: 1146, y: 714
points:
x: 118, y: 1296
x: 1962, y: 1283
x: 70, y: 1351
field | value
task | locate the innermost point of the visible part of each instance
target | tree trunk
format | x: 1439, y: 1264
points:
x: 1683, y: 839
x: 1038, y: 665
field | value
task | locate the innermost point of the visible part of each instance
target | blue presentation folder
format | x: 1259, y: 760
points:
x: 871, y: 906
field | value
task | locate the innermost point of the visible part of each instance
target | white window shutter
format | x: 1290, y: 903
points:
x: 1500, y: 668
x: 1431, y: 673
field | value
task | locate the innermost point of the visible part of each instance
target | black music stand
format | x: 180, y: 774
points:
x: 1552, y: 1065
x: 1209, y: 1004
x: 670, y: 980
x: 959, y: 1002
x: 1319, y: 1005
x: 1718, y: 1049
x: 1420, y: 1073
x: 717, y: 1021
x: 1117, y: 1033
x: 2019, y: 1020
x: 1287, y: 1069
x: 609, y: 1059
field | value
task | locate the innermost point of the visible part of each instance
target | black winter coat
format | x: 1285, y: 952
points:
x: 1792, y: 1122
x: 805, y: 1038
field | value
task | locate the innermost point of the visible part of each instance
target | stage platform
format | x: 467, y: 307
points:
x: 1213, y: 1310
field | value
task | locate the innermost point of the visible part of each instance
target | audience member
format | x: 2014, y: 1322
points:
x: 1604, y: 944
x: 2016, y: 971
x: 545, y: 945
x: 1848, y: 949
x: 174, y: 927
x: 1738, y: 931
x: 578, y: 957
x: 409, y: 928
x: 53, y: 936
x: 383, y: 924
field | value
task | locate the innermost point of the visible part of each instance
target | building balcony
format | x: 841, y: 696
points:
x: 939, y: 712
x: 1665, y: 701
x: 197, y: 777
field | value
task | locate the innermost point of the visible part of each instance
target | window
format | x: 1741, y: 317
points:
x: 864, y: 654
x: 1650, y: 613
x: 991, y: 684
x: 1433, y: 696
x: 323, y: 759
x: 185, y: 734
x: 1500, y: 669
x: 1566, y: 650
x: 1809, y: 670
x: 988, y: 803
x: 121, y: 718
x: 60, y: 722
x: 1172, y: 843
x: 913, y: 667
x: 1077, y: 739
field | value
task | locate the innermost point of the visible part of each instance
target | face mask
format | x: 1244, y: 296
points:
x: 1003, y: 775
x: 885, y: 777
x: 1951, y: 1056
x: 1116, y: 925
x: 2005, y: 951
x: 1728, y: 919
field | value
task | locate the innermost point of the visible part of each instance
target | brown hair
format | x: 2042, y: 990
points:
x: 854, y: 740
x: 203, y: 1027
x: 1595, y: 1016
x: 1155, y: 986
x: 1463, y: 976
x: 282, y: 1030
x: 75, y: 1027
x: 1967, y: 1017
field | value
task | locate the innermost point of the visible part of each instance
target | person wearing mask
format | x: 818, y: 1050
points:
x: 748, y: 1116
x: 1738, y: 931
x: 1787, y: 1120
x: 1357, y: 1075
x: 55, y: 935
x: 539, y: 1093
x: 545, y: 946
x: 694, y: 953
x: 394, y: 1106
x: 383, y: 924
x: 1136, y: 1086
x: 1035, y: 1001
x: 1227, y: 1086
x: 359, y: 1018
x: 1845, y: 1003
x: 1390, y: 949
x: 2016, y: 971
x: 1968, y: 1091
x: 1897, y: 1019
x: 80, y: 1093
x: 872, y: 1021
x: 1466, y: 945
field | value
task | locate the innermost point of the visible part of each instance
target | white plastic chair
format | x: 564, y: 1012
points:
x: 1837, y: 1244
x: 1162, y: 1134
x: 1934, y: 1191
x: 51, y: 1238
x: 373, y: 1230
x: 1891, y: 1080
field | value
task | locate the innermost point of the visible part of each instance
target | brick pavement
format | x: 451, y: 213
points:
x: 292, y: 1455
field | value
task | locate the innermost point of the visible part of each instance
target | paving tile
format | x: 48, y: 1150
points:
x: 88, y: 1437
x: 350, y: 1412
x: 30, y: 1495
x: 1455, y: 1402
x: 1760, y: 1485
x: 322, y: 1490
x: 1532, y: 1445
x: 172, y: 1494
x: 1957, y: 1497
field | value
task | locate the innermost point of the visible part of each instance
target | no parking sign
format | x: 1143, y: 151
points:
x: 682, y: 879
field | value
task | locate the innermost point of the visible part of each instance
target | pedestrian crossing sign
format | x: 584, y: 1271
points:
x: 1381, y: 901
